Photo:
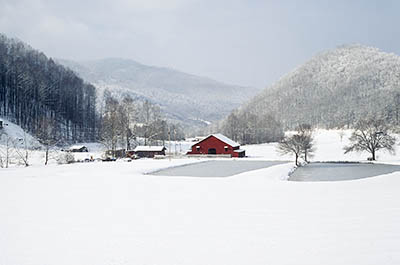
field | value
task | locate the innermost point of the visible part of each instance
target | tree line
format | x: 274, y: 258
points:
x: 127, y: 123
x: 249, y: 128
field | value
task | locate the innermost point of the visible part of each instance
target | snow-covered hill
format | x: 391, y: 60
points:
x: 184, y: 97
x: 334, y: 89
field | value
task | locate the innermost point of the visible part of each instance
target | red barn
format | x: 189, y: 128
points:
x: 217, y: 144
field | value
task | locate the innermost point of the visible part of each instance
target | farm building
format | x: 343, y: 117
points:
x: 148, y: 151
x: 217, y: 144
x: 78, y: 149
x: 118, y: 153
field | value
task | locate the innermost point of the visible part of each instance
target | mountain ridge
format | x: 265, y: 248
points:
x: 185, y: 97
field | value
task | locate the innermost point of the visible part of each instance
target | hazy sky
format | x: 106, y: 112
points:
x: 241, y: 42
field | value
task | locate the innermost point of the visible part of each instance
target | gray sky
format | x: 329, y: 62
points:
x: 240, y: 42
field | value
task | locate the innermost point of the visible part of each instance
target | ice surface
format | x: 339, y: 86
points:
x: 341, y: 171
x: 216, y: 168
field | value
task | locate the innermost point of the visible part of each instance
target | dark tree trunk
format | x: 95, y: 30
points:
x: 47, y: 156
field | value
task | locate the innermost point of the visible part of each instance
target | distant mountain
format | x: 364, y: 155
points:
x: 186, y: 98
x: 334, y: 89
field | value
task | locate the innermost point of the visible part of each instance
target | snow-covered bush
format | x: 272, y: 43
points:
x: 65, y: 158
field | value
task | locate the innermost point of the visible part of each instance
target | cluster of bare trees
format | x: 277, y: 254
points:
x: 249, y: 128
x: 15, y: 149
x: 128, y: 122
x: 300, y: 143
x: 370, y: 134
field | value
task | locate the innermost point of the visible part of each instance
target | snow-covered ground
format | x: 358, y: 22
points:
x: 329, y: 147
x: 114, y: 214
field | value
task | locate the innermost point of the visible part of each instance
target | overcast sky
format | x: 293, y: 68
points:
x: 235, y: 41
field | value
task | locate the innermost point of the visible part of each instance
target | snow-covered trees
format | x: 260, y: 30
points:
x: 371, y: 135
x: 334, y: 89
x: 33, y: 87
x: 250, y: 128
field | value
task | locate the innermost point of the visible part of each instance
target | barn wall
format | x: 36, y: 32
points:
x: 212, y: 142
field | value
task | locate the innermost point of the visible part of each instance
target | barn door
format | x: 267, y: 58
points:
x: 212, y: 151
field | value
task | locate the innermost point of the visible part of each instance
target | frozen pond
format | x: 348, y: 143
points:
x: 216, y: 168
x: 341, y: 171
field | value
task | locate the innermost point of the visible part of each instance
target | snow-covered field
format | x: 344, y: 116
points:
x: 113, y: 214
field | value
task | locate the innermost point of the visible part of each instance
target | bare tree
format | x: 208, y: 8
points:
x: 6, y: 151
x: 341, y: 135
x: 371, y: 135
x: 111, y: 130
x: 47, y: 136
x: 291, y: 145
x: 23, y: 147
x: 128, y: 115
x: 305, y: 132
x: 153, y: 122
x: 299, y: 144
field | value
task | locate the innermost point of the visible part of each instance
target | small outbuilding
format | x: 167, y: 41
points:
x: 217, y: 144
x: 117, y: 153
x: 78, y: 149
x: 149, y: 151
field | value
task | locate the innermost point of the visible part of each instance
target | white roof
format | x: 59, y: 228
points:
x: 238, y: 150
x: 142, y: 148
x: 224, y: 139
x: 75, y: 147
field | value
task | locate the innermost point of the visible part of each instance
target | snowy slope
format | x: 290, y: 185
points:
x: 109, y: 213
x: 15, y: 132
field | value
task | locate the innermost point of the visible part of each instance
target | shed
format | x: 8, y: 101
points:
x: 149, y: 151
x: 217, y: 144
x: 78, y: 149
x: 117, y: 153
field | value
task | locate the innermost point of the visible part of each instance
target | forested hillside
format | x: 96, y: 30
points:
x: 39, y: 94
x: 184, y: 98
x: 334, y: 89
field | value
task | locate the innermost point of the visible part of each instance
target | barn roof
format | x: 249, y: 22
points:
x: 142, y: 148
x: 77, y: 147
x: 238, y: 150
x: 222, y: 138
